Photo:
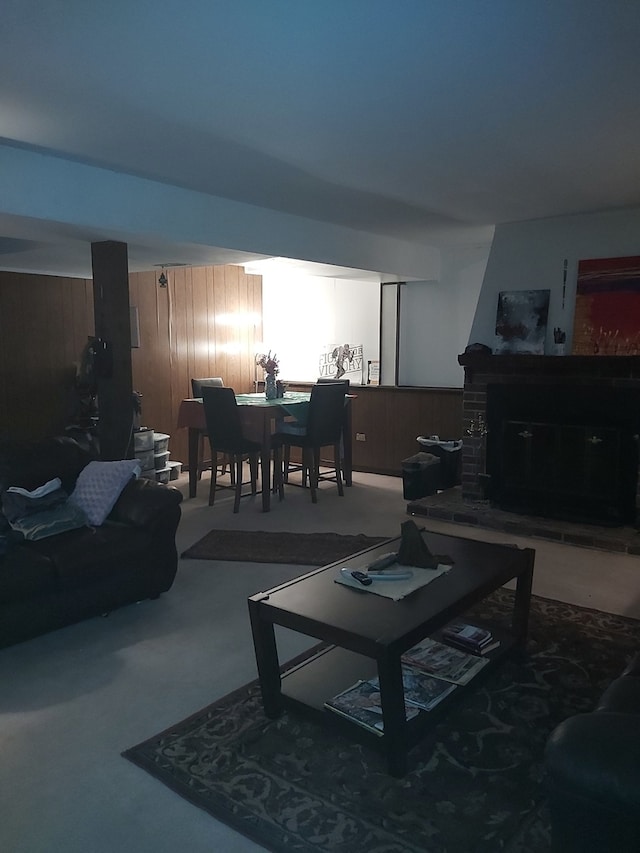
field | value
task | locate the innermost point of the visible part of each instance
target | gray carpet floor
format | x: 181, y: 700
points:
x: 72, y: 700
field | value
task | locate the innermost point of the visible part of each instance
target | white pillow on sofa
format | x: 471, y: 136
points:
x: 99, y: 486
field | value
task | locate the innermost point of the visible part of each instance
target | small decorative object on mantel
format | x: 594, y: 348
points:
x: 559, y: 339
x: 269, y: 363
x: 478, y: 349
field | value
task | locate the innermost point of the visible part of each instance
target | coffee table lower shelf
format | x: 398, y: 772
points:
x: 309, y: 684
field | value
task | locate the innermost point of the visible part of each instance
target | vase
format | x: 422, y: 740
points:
x: 270, y: 388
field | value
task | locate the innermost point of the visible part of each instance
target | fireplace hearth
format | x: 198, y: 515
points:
x: 561, y: 436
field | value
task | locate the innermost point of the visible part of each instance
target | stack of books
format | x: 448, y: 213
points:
x: 469, y: 638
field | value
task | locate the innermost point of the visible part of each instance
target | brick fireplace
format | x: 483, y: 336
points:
x: 603, y: 391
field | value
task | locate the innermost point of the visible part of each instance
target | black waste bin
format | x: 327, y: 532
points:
x: 420, y: 476
x: 450, y: 455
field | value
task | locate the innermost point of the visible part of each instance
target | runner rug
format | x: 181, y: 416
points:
x: 298, y: 549
x: 476, y: 786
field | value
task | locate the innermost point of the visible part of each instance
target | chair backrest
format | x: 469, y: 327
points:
x: 198, y: 384
x: 223, y: 419
x: 327, y: 380
x: 326, y: 413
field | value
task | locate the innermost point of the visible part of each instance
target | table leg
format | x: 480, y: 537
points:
x: 347, y: 446
x: 266, y: 650
x: 194, y: 441
x: 265, y: 462
x: 393, y: 713
x: 522, y: 601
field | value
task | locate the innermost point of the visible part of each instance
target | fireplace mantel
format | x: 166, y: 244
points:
x: 584, y: 366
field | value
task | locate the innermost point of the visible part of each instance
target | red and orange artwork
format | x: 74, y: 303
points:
x: 607, y: 313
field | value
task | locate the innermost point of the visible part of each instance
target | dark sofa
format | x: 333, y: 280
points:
x: 55, y: 581
x: 593, y: 773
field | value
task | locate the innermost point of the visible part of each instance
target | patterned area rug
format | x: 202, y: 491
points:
x: 297, y: 549
x: 475, y: 787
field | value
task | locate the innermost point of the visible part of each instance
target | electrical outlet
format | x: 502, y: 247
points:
x: 361, y: 436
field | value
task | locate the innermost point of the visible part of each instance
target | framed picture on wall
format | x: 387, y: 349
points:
x: 521, y: 321
x: 607, y: 312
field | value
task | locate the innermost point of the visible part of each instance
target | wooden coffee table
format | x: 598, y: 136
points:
x: 367, y: 634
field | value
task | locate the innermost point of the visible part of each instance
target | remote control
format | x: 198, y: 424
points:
x: 383, y: 561
x: 364, y: 579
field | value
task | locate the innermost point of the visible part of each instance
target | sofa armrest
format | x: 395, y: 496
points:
x: 142, y: 500
x: 596, y: 758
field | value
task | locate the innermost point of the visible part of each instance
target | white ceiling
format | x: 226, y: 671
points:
x: 427, y: 121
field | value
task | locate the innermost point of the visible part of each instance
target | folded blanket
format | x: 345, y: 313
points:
x: 20, y: 503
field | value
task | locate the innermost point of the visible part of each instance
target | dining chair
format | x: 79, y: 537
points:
x: 292, y: 467
x: 224, y: 427
x: 323, y: 429
x: 212, y: 382
x: 205, y: 464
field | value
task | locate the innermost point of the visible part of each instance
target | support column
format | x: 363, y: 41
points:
x: 113, y: 346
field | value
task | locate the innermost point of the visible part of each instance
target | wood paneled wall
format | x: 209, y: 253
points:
x: 206, y: 322
x: 44, y: 325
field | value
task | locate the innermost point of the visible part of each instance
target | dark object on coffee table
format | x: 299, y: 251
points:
x: 414, y: 550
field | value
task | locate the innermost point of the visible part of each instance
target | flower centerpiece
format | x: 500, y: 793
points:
x: 269, y: 363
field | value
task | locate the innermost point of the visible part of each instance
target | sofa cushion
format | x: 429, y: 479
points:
x: 82, y: 557
x: 99, y: 486
x: 25, y: 573
x: 622, y: 695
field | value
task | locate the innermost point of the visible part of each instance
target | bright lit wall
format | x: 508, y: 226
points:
x: 304, y: 315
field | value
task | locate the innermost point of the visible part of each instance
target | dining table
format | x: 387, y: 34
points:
x: 258, y: 416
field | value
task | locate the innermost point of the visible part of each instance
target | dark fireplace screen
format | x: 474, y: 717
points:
x: 564, y: 451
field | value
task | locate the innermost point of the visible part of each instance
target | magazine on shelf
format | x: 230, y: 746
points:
x: 472, y: 650
x: 464, y: 632
x: 422, y: 690
x: 443, y: 661
x: 469, y: 638
x: 361, y: 704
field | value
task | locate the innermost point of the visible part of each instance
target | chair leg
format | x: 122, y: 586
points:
x: 214, y: 477
x: 253, y: 468
x: 278, y: 477
x: 287, y: 457
x: 336, y: 454
x: 310, y: 461
x: 237, y: 459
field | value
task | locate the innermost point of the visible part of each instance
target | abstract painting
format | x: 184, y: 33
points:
x: 521, y: 321
x: 607, y: 312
